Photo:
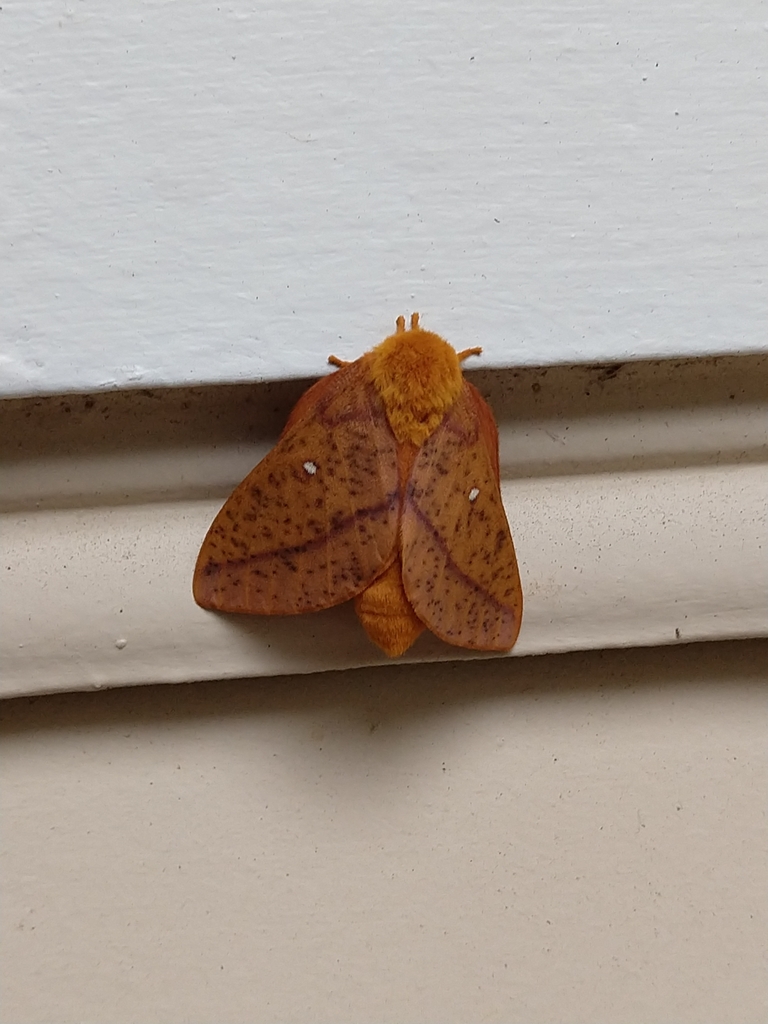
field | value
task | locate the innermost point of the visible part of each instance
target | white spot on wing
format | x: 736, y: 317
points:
x: 310, y: 467
x: 474, y: 494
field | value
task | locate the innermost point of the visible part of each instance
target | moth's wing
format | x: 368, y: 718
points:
x: 316, y: 520
x: 459, y: 566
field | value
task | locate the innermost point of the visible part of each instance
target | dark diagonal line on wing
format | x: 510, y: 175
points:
x: 371, y: 512
x: 438, y: 540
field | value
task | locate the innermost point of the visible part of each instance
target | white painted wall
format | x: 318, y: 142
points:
x: 199, y: 192
x: 570, y: 840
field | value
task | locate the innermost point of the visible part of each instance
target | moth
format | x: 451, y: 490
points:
x: 383, y: 489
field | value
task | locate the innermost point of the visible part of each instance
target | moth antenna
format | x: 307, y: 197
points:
x: 469, y: 352
x: 414, y: 321
x: 400, y: 325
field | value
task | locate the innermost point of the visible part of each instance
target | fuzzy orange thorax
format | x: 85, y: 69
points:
x: 418, y: 376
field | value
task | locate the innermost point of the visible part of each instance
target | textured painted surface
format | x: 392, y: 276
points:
x: 234, y: 193
x: 102, y: 596
x: 577, y: 838
x: 637, y: 518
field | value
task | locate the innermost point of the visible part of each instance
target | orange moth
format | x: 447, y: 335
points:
x: 383, y: 488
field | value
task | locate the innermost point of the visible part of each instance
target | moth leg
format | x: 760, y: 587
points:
x: 467, y: 352
x: 335, y: 361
